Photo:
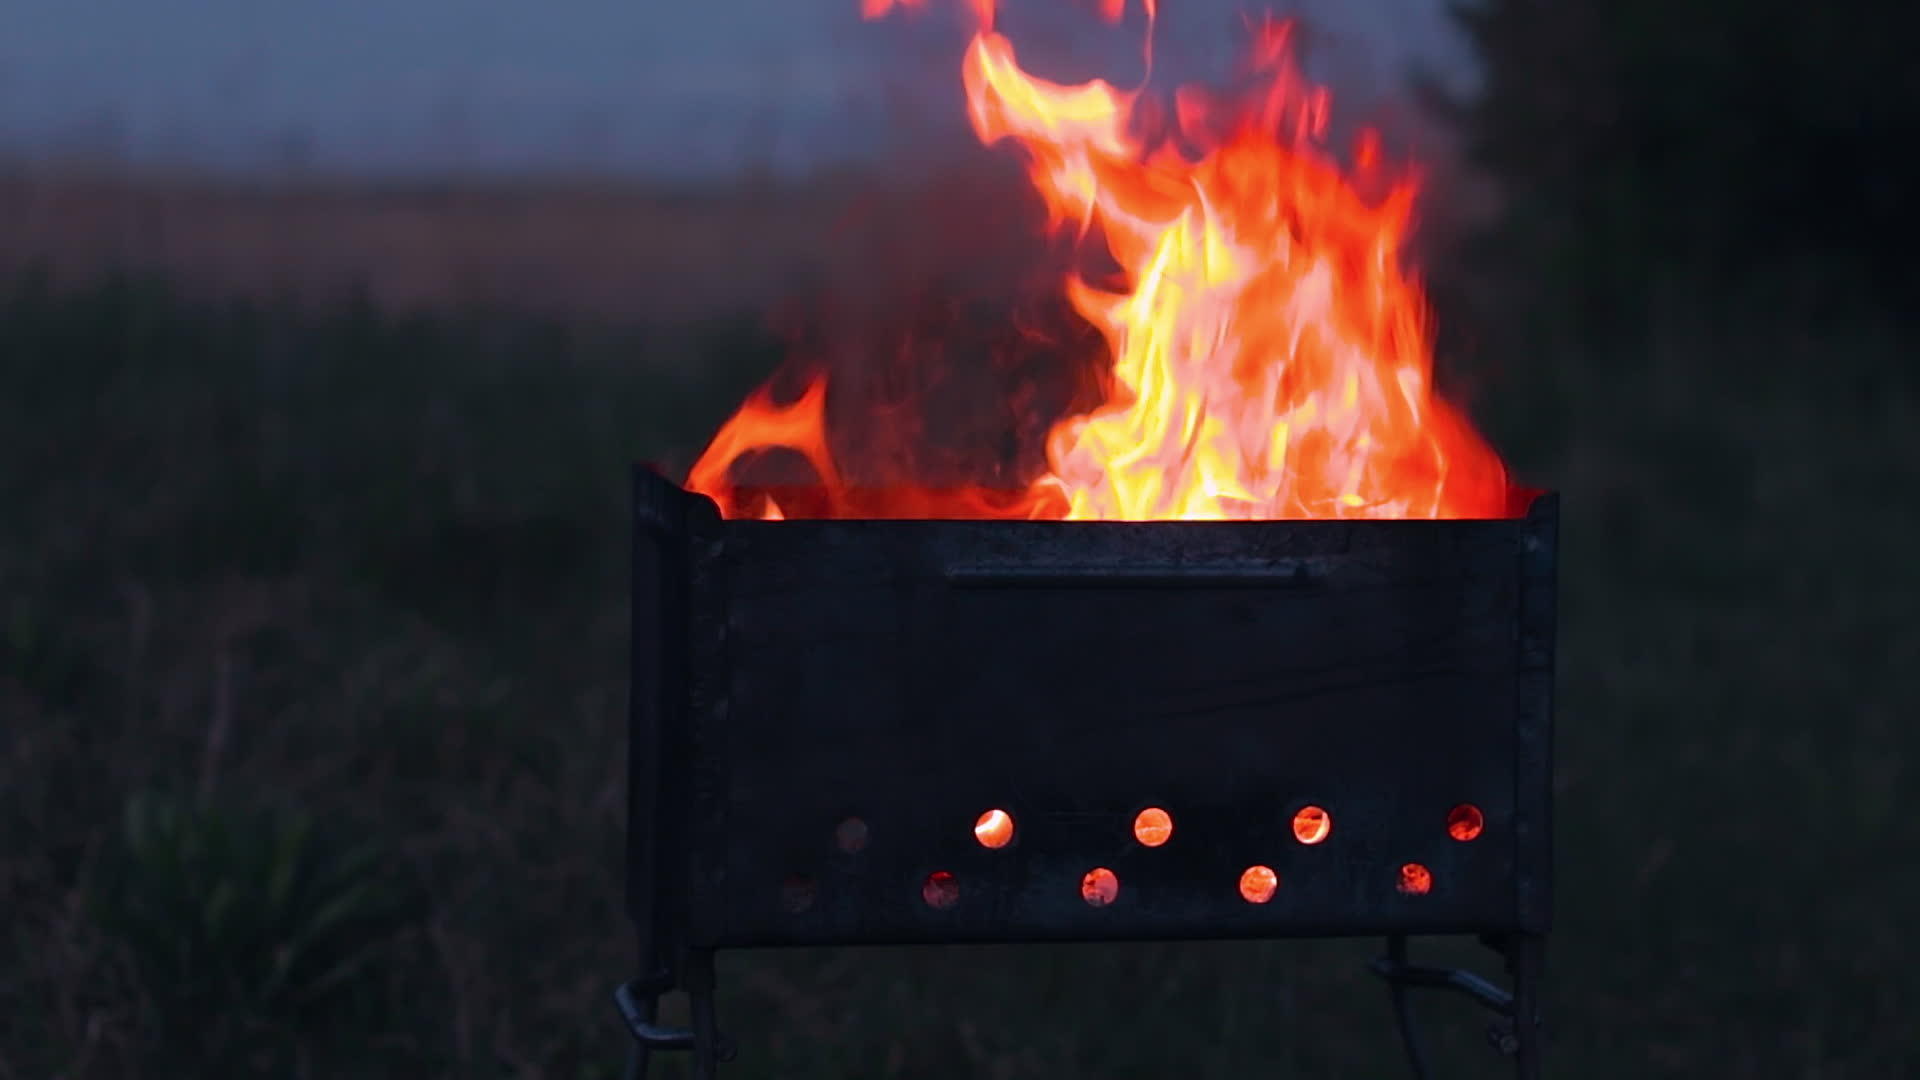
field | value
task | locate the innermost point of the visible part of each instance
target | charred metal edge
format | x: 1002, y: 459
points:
x: 1291, y: 931
x: 658, y: 605
x: 1533, y: 690
x: 703, y: 753
x: 666, y: 520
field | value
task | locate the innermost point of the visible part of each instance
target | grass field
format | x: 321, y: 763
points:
x: 581, y: 248
x: 311, y: 669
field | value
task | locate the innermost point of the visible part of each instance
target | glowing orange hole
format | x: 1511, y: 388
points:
x: 942, y: 890
x: 1464, y: 822
x: 1153, y: 826
x: 1099, y: 887
x: 1258, y: 884
x: 1416, y: 880
x: 1311, y: 825
x: 994, y: 829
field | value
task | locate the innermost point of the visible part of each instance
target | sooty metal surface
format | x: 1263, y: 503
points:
x: 823, y: 709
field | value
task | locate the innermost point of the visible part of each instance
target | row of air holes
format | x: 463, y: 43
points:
x: 1152, y: 827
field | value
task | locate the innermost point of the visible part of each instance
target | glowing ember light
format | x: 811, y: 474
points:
x: 1258, y: 884
x: 1415, y: 880
x: 1464, y: 822
x: 1099, y: 887
x: 942, y: 890
x: 1153, y: 826
x: 1270, y: 357
x: 1311, y: 825
x: 994, y: 829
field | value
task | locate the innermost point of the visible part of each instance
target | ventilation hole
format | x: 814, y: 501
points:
x: 1152, y: 826
x: 796, y: 893
x: 941, y: 891
x: 1464, y: 822
x: 1416, y: 880
x: 1311, y: 825
x: 994, y: 829
x: 1099, y: 887
x: 851, y: 835
x: 1258, y: 884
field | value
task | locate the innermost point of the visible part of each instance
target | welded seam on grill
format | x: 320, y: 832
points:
x: 1533, y: 715
x: 1340, y: 575
x: 707, y: 746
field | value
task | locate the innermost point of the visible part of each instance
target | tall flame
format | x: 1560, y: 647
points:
x: 1270, y: 357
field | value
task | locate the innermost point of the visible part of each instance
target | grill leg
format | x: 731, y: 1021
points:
x: 1403, y: 1009
x: 1517, y: 1034
x: 640, y: 1003
x: 639, y: 1057
x: 706, y: 1035
x: 1529, y: 954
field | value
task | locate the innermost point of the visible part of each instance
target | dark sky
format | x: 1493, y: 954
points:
x: 647, y: 86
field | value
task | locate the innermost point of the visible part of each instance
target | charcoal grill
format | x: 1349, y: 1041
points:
x: 823, y: 710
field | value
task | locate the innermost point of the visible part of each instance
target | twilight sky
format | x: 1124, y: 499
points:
x: 657, y: 87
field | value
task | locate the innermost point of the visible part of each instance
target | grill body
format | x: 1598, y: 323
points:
x: 798, y: 683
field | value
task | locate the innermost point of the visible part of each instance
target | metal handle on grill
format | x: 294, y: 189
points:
x: 1279, y: 573
x: 645, y: 1031
x: 638, y: 1001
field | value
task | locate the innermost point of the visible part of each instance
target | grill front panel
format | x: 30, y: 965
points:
x: 856, y: 694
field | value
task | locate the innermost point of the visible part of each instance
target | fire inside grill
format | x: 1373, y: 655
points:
x: 1264, y: 647
x: 1269, y: 355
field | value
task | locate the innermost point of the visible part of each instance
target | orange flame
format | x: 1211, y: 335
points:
x: 1271, y: 359
x: 760, y: 424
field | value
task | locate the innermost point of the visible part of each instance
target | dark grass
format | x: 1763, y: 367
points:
x: 259, y: 559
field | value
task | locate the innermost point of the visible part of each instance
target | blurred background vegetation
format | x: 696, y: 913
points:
x: 312, y: 607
